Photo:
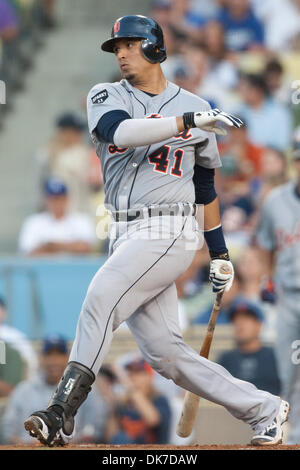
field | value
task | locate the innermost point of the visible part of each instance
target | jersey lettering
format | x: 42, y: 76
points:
x: 184, y: 135
x: 100, y: 97
x: 114, y: 149
x: 285, y: 238
x: 154, y: 116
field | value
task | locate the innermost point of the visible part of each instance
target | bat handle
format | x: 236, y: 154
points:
x: 218, y: 299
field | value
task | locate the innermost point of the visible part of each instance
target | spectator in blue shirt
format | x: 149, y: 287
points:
x: 250, y: 360
x: 243, y: 30
x: 269, y: 123
x: 142, y: 415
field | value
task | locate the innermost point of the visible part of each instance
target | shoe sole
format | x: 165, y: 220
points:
x: 258, y: 442
x: 32, y: 426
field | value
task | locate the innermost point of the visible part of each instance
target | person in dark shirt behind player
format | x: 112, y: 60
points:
x: 142, y: 415
x: 251, y: 360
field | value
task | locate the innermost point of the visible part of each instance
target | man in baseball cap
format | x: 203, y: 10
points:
x: 143, y: 414
x: 138, y: 365
x: 54, y: 343
x: 53, y: 359
x: 70, y: 121
x: 57, y: 230
x: 245, y: 307
x: 55, y: 187
x: 250, y: 360
x: 54, y: 353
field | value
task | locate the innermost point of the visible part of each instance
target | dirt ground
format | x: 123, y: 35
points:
x: 103, y: 447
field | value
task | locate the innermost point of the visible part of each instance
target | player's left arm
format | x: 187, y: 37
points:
x: 207, y: 159
x: 214, y: 237
x: 213, y: 233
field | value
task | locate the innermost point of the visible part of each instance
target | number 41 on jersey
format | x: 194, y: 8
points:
x: 160, y: 158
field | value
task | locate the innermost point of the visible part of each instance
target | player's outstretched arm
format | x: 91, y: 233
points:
x: 141, y: 132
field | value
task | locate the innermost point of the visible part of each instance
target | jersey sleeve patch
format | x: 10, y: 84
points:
x: 100, y: 97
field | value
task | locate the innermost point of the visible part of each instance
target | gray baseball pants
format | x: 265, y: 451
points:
x: 136, y: 285
x: 287, y: 348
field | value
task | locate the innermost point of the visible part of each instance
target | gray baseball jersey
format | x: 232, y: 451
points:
x: 279, y: 230
x: 161, y: 173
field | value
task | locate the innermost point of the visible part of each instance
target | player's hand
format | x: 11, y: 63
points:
x: 218, y: 279
x: 207, y: 121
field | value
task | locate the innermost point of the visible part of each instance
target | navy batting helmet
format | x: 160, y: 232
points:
x: 140, y: 27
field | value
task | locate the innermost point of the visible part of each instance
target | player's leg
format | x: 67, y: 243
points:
x: 138, y: 270
x: 287, y: 332
x: 294, y: 429
x: 156, y: 330
x: 287, y: 355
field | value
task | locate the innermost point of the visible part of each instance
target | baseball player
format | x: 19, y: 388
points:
x: 279, y: 237
x: 158, y: 152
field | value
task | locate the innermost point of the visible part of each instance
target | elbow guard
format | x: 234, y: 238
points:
x: 204, y: 182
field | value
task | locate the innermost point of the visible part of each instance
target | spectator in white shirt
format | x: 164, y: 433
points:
x: 57, y: 231
x: 281, y: 20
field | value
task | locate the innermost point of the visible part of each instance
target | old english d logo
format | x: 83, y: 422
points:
x: 117, y: 27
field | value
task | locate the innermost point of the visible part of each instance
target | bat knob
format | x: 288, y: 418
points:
x: 225, y: 269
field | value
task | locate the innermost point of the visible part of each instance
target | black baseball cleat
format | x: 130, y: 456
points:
x: 273, y: 433
x: 55, y: 426
x: 46, y: 426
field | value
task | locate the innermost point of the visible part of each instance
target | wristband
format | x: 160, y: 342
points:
x: 188, y: 120
x: 216, y: 243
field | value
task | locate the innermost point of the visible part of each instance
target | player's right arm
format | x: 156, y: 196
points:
x: 109, y: 118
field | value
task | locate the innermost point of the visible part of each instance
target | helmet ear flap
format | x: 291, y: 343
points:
x: 152, y: 53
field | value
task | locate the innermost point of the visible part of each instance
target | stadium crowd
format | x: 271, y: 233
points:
x: 22, y: 26
x: 242, y: 56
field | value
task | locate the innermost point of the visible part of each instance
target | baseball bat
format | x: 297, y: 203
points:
x: 191, y: 401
